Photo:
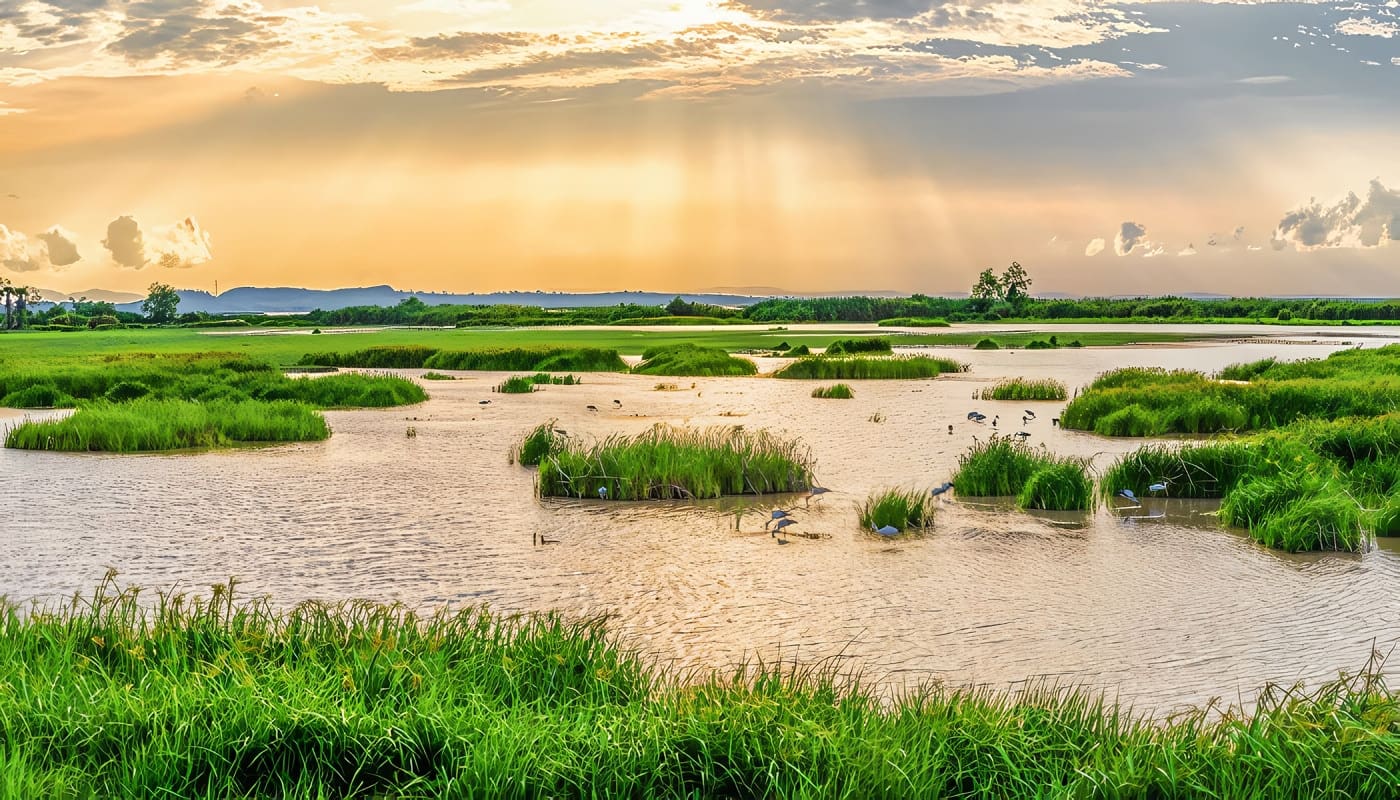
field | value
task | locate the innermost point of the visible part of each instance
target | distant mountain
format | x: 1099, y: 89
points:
x: 94, y: 295
x: 274, y: 300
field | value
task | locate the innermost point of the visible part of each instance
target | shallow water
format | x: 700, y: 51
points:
x: 1160, y: 612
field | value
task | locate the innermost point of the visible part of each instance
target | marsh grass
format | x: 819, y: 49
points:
x: 836, y: 391
x: 914, y: 322
x: 668, y: 463
x: 1003, y: 467
x: 693, y: 360
x: 437, y: 376
x: 543, y: 440
x: 502, y: 359
x: 154, y: 425
x: 798, y: 351
x: 1027, y: 389
x: 905, y: 509
x: 1206, y: 470
x: 986, y: 344
x: 867, y: 368
x: 129, y: 694
x: 545, y: 379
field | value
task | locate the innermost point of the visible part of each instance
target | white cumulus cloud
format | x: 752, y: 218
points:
x: 1094, y: 247
x: 1350, y: 222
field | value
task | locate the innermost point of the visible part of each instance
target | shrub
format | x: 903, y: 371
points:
x: 127, y: 390
x: 858, y: 346
x: 986, y: 344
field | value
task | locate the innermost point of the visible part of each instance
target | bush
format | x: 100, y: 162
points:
x: 37, y: 396
x: 986, y: 344
x: 858, y: 346
x: 800, y: 350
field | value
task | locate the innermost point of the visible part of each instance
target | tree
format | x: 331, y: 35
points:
x: 159, y: 306
x: 1015, y: 284
x: 988, y: 287
x: 15, y: 298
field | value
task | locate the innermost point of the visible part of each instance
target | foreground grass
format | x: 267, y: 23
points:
x: 153, y: 425
x: 220, y: 698
x: 864, y: 368
x: 666, y: 463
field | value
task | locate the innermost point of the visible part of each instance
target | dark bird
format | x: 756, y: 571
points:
x: 1054, y: 422
x: 1030, y: 413
x: 591, y: 408
x: 1022, y: 435
x: 778, y: 529
x: 941, y: 489
x: 817, y: 492
x: 950, y: 430
x: 617, y: 404
x: 777, y: 515
x: 483, y: 402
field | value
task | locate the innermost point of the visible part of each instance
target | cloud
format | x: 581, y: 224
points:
x: 1350, y: 222
x: 1367, y: 26
x: 184, y: 244
x: 1188, y: 250
x: 1130, y: 236
x: 55, y: 247
x: 15, y: 251
x: 126, y: 243
x: 62, y: 246
x: 1239, y: 232
x: 1094, y: 247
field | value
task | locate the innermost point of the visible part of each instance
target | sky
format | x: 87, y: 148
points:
x: 685, y: 145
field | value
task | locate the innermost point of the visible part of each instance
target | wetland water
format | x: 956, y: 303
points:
x: 1159, y: 612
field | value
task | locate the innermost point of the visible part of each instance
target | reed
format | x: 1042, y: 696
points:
x: 383, y: 357
x: 864, y: 368
x: 914, y: 322
x: 998, y: 467
x: 1027, y: 389
x: 155, y: 425
x: 437, y: 376
x: 836, y: 391
x: 1191, y: 471
x: 693, y: 360
x: 667, y: 463
x: 545, y: 379
x: 126, y: 694
x: 905, y: 509
x: 530, y: 359
x: 1064, y: 485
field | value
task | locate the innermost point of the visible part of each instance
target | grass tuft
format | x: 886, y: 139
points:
x: 836, y: 391
x: 693, y: 360
x: 905, y: 509
x: 154, y: 425
x: 1027, y: 389
x: 863, y: 368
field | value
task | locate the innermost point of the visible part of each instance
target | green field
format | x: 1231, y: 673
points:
x: 49, y: 347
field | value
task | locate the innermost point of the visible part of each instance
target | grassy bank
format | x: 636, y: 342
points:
x: 1246, y: 397
x: 222, y: 698
x: 667, y: 463
x: 914, y: 322
x: 532, y: 359
x: 1003, y: 467
x: 152, y: 425
x: 691, y: 360
x: 863, y: 368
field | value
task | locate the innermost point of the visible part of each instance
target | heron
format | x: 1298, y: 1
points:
x: 1030, y: 414
x: 887, y: 531
x: 976, y: 415
x: 778, y: 514
x: 1127, y: 494
x: 778, y: 529
x: 935, y: 492
x: 602, y: 492
x: 1158, y: 487
x: 817, y: 492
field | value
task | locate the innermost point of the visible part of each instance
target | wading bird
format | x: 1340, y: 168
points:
x: 1022, y: 435
x: 617, y: 404
x: 817, y: 492
x: 591, y: 408
x: 1158, y: 487
x: 887, y: 531
x: 1030, y: 414
x: 976, y: 415
x: 1127, y: 494
x: 778, y: 514
x: 602, y: 492
x: 778, y: 529
x: 483, y: 402
x: 941, y: 489
x: 950, y: 430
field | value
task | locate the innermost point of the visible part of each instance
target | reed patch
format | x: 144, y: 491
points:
x: 869, y: 368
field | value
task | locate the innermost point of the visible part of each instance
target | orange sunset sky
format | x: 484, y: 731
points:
x: 837, y: 145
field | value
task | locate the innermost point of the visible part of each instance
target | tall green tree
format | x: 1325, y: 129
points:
x: 1015, y: 284
x: 160, y: 303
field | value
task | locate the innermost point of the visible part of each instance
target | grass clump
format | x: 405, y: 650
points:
x: 516, y: 384
x: 502, y: 359
x: 1194, y: 471
x: 667, y: 463
x: 851, y: 347
x: 153, y: 425
x: 1027, y: 389
x: 123, y: 694
x: 865, y: 368
x: 437, y: 376
x: 38, y: 395
x: 905, y: 509
x: 542, y: 441
x: 986, y: 344
x: 693, y: 360
x: 836, y: 391
x: 798, y: 351
x: 1004, y: 467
